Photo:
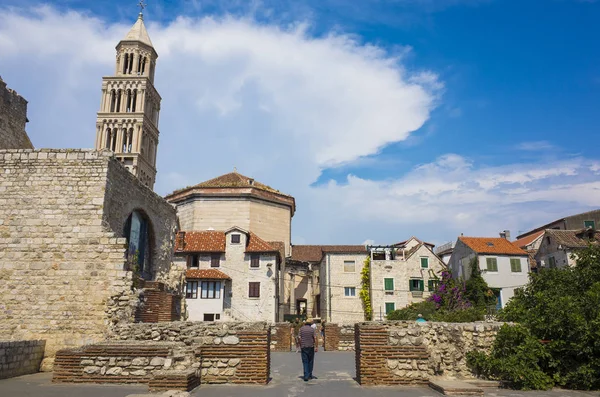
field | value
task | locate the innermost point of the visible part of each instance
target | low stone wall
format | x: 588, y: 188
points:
x: 222, y: 352
x: 339, y: 337
x: 281, y: 337
x: 396, y: 352
x: 157, y: 305
x: 20, y: 357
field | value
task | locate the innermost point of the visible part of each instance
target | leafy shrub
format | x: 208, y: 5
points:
x: 410, y: 312
x: 562, y: 308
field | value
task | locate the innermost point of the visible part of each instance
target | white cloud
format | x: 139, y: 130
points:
x: 535, y: 146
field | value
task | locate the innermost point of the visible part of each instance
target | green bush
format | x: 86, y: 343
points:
x: 468, y: 315
x: 560, y: 307
x: 430, y: 312
x: 410, y: 312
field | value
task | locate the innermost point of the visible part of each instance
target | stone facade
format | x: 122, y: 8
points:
x: 20, y: 357
x: 13, y: 117
x: 446, y: 345
x: 63, y: 268
x: 410, y: 282
x: 340, y: 283
x: 224, y: 352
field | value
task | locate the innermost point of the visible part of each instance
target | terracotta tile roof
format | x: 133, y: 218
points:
x: 256, y: 244
x: 233, y: 180
x: 492, y: 245
x: 574, y: 238
x: 280, y: 246
x: 525, y: 241
x: 314, y: 253
x: 212, y: 274
x: 204, y: 241
x: 402, y: 243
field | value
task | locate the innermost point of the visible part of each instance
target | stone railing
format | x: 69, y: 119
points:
x: 439, y: 349
x: 20, y: 357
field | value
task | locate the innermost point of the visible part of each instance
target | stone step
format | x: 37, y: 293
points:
x: 455, y: 387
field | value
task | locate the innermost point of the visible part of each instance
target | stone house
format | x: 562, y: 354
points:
x: 504, y: 266
x: 530, y: 244
x: 230, y: 275
x: 558, y: 248
x: 584, y: 220
x: 402, y: 274
x: 335, y: 280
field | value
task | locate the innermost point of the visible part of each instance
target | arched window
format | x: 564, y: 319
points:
x: 143, y: 69
x: 134, y: 100
x: 118, y: 104
x: 113, y: 98
x: 113, y: 143
x: 130, y: 141
x: 138, y: 234
x: 129, y: 98
x: 108, y: 138
x: 130, y: 66
x: 125, y: 63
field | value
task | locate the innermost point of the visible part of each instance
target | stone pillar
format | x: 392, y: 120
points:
x: 332, y: 337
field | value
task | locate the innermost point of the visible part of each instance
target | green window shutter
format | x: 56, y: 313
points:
x: 424, y: 263
x: 591, y: 224
x: 430, y: 286
x: 515, y: 265
x: 390, y: 307
x: 389, y: 284
x: 492, y: 264
x: 421, y: 285
x: 411, y: 285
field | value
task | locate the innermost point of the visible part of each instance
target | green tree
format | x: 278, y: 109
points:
x: 560, y: 308
x: 477, y: 290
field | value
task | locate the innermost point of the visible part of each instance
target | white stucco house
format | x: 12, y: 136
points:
x: 230, y: 275
x: 504, y: 266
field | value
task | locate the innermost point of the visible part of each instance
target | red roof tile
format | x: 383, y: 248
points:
x: 525, y: 241
x: 204, y: 241
x: 211, y: 274
x: 314, y: 253
x: 492, y: 245
x: 256, y: 244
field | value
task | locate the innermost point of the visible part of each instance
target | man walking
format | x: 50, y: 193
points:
x: 308, y: 345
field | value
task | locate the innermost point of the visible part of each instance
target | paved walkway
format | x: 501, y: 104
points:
x: 335, y: 371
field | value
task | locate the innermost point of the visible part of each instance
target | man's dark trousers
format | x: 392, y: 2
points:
x: 308, y: 360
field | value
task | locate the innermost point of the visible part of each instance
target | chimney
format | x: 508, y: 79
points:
x: 505, y: 234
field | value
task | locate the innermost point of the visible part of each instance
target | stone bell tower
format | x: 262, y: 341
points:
x: 127, y: 122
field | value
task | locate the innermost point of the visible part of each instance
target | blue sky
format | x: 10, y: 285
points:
x: 385, y: 119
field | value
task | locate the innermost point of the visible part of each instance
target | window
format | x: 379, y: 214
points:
x: 424, y: 263
x: 388, y: 284
x: 254, y: 290
x: 209, y: 317
x: 215, y: 260
x: 193, y: 260
x: 349, y: 266
x: 210, y: 290
x: 217, y: 316
x: 235, y: 239
x: 432, y: 284
x: 191, y: 290
x: 255, y: 260
x: 349, y: 291
x: 551, y: 262
x: 515, y: 265
x: 416, y: 285
x: 492, y: 264
x: 589, y: 224
x: 389, y: 307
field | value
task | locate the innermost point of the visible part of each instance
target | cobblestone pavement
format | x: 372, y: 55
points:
x: 335, y: 371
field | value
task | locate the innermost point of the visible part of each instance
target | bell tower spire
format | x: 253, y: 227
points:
x: 127, y: 122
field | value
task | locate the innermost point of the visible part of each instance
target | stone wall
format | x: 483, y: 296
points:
x: 13, y: 117
x: 63, y: 272
x: 20, y: 357
x: 223, y: 352
x: 281, y: 339
x: 446, y: 344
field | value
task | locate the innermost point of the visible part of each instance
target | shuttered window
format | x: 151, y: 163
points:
x: 492, y: 264
x: 388, y: 284
x: 215, y: 260
x: 389, y: 307
x: 424, y: 263
x: 255, y: 260
x: 254, y: 290
x: 416, y: 285
x: 515, y: 265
